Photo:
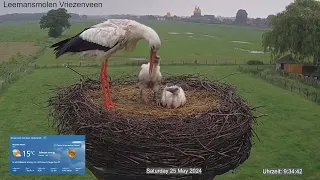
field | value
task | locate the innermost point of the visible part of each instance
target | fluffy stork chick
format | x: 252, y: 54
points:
x: 173, y: 97
x: 152, y: 81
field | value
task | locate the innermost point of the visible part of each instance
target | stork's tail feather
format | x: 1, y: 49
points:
x: 59, y: 47
x: 60, y: 43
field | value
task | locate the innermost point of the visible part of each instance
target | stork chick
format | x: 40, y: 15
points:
x: 173, y: 97
x: 152, y: 81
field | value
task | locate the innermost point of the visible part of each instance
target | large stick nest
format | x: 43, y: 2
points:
x: 214, y: 135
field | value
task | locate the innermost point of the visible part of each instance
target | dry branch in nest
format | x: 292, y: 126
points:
x: 213, y: 131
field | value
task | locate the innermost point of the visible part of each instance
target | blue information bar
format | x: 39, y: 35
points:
x: 52, y: 154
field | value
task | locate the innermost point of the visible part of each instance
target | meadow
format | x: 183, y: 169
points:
x: 288, y: 134
x: 183, y: 42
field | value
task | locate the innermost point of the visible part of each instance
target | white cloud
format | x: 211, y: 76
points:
x: 56, y: 156
x: 58, y: 149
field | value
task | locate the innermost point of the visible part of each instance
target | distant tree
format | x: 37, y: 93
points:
x: 22, y: 17
x: 74, y: 16
x: 84, y: 16
x: 258, y: 22
x: 241, y: 17
x: 55, y: 21
x: 151, y: 17
x: 296, y: 30
x: 269, y: 19
x: 55, y: 31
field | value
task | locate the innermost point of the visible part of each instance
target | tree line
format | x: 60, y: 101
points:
x: 241, y: 18
x: 30, y: 16
x: 296, y: 31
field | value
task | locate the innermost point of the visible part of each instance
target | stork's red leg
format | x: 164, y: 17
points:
x: 103, y: 83
x: 110, y: 104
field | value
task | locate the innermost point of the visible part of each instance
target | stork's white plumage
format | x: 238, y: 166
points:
x: 173, y: 96
x: 106, y: 38
x: 152, y: 81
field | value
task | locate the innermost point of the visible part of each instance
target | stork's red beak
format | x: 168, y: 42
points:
x: 152, y: 58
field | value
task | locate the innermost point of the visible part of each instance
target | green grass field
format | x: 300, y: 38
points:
x: 209, y: 43
x: 289, y: 134
x: 21, y: 31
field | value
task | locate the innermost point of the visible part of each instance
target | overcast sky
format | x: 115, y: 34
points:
x: 255, y: 8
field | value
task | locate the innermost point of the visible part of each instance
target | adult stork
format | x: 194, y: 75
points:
x: 105, y: 39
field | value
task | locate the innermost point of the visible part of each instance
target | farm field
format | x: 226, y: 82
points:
x: 288, y: 134
x: 8, y: 49
x: 185, y: 42
x: 22, y: 38
x: 21, y: 31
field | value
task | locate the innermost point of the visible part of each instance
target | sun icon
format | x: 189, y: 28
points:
x: 72, y: 153
x: 16, y: 153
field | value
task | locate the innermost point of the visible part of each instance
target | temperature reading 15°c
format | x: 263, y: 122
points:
x: 28, y: 153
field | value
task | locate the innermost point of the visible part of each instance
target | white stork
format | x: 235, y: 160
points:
x: 152, y: 81
x: 105, y: 39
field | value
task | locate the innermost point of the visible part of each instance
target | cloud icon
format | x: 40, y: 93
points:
x: 16, y: 153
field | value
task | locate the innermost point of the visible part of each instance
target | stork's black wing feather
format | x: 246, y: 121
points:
x: 60, y: 43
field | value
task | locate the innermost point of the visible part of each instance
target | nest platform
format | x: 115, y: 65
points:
x: 212, y: 131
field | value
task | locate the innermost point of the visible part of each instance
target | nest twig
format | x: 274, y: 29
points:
x: 217, y: 140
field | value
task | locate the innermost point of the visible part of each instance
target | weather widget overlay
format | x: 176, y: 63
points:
x: 59, y: 154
